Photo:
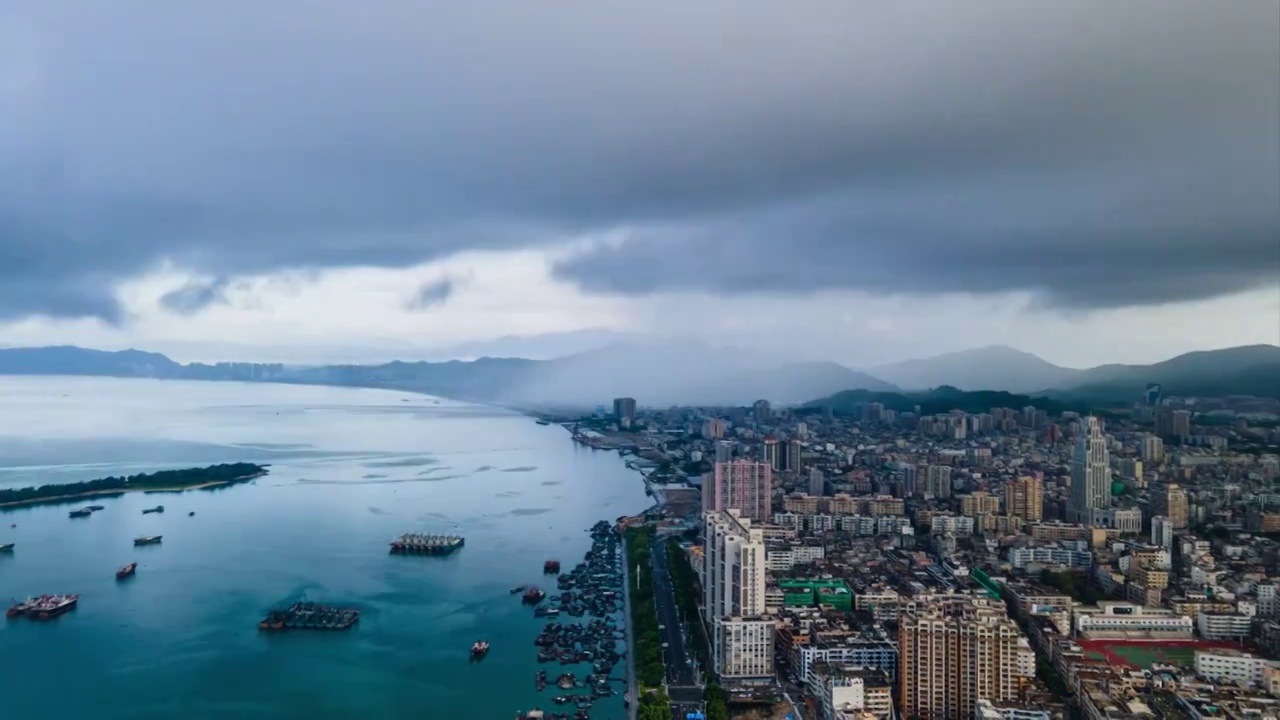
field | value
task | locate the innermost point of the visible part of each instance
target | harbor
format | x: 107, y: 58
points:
x: 592, y: 588
x: 256, y: 547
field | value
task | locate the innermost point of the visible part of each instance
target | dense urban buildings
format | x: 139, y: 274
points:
x: 863, y: 559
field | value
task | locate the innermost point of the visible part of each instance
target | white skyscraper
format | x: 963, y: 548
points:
x: 1090, y: 473
x: 733, y: 577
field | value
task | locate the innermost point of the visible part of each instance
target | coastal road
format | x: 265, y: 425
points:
x: 682, y: 679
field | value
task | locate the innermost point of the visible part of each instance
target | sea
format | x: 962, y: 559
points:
x: 350, y: 469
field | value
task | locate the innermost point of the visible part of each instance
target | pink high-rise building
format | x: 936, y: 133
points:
x: 741, y: 485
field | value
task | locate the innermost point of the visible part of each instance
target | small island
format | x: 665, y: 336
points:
x: 164, y: 480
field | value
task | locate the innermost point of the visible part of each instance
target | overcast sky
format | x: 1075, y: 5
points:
x: 310, y: 180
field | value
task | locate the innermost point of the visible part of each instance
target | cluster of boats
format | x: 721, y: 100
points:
x: 591, y: 588
x: 310, y: 616
x: 539, y: 715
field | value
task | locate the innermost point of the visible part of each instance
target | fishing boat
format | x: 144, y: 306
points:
x: 147, y: 540
x: 126, y: 571
x: 6, y: 548
x: 44, y: 607
x: 479, y: 649
x: 82, y: 512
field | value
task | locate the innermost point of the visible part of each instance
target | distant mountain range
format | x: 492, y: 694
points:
x: 1245, y: 370
x: 692, y: 373
x: 667, y: 373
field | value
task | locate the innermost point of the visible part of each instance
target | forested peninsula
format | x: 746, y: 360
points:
x: 188, y: 479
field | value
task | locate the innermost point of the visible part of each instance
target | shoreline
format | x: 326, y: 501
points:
x: 54, y: 499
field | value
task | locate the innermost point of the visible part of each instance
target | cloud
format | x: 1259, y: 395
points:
x: 195, y: 295
x: 1093, y: 154
x: 436, y: 292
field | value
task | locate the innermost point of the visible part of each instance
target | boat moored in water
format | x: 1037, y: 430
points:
x: 6, y: 548
x: 127, y: 571
x: 479, y: 649
x: 147, y: 540
x: 156, y: 509
x: 44, y: 607
x: 82, y: 512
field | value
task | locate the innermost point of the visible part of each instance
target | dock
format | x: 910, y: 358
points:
x: 426, y: 544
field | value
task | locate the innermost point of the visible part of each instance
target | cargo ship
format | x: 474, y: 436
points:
x: 310, y: 616
x: 532, y: 596
x: 44, y: 607
x: 147, y: 540
x: 82, y: 512
x: 551, y: 567
x: 479, y: 649
x: 156, y: 509
x: 126, y: 571
x: 426, y: 544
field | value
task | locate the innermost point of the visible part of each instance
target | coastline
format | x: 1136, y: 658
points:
x: 55, y: 499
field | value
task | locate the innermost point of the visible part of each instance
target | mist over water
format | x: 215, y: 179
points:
x: 348, y: 473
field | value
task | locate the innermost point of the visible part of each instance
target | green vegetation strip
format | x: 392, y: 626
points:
x: 212, y: 476
x: 685, y: 582
x: 654, y: 705
x: 644, y: 612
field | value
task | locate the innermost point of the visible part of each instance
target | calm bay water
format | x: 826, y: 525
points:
x: 350, y: 469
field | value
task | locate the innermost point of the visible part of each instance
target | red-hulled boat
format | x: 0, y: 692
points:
x: 127, y: 571
x: 551, y: 567
x: 533, y: 596
x: 479, y: 649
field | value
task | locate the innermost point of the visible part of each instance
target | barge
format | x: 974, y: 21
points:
x: 148, y: 540
x: 310, y: 616
x: 156, y: 509
x: 44, y: 607
x: 426, y: 544
x: 82, y: 512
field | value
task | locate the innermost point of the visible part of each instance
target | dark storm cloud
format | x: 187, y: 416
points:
x: 1099, y: 154
x: 196, y: 295
x: 431, y: 294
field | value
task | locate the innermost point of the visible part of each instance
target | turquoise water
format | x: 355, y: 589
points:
x: 350, y: 469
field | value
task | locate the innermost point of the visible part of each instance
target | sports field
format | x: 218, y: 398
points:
x: 1143, y: 654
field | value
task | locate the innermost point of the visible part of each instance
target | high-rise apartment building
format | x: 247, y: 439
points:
x: 1175, y: 423
x: 817, y: 483
x: 794, y: 448
x: 909, y: 480
x: 1152, y: 449
x: 955, y: 650
x: 1162, y: 531
x: 624, y: 408
x: 1171, y: 502
x: 1090, y: 474
x: 761, y: 411
x: 724, y: 451
x: 937, y: 480
x: 740, y: 485
x: 1024, y: 498
x: 714, y: 428
x: 978, y: 502
x: 733, y: 584
x: 772, y: 451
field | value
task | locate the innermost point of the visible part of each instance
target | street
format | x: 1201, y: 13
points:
x: 683, y: 679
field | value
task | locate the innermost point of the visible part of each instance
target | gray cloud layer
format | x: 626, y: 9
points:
x: 1099, y: 154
